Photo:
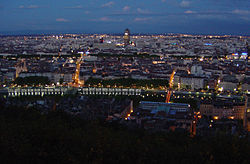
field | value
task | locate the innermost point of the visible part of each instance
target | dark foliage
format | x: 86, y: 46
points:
x: 30, y: 137
x: 32, y: 80
x: 192, y: 102
x: 128, y: 82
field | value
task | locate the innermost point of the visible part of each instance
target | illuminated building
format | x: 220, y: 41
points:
x: 169, y: 108
x: 126, y: 37
x: 176, y: 114
x: 223, y: 109
x: 246, y: 121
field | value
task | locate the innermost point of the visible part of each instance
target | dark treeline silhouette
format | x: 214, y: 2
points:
x: 32, y: 80
x: 128, y: 82
x: 192, y: 102
x: 27, y: 136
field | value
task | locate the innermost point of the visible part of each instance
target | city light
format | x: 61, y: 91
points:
x: 216, y: 117
x: 154, y: 82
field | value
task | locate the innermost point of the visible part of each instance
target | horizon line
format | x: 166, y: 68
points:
x: 27, y: 33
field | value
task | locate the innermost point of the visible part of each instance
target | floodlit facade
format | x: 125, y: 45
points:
x: 126, y: 37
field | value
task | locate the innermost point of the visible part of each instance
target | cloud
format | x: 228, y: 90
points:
x: 142, y: 11
x: 245, y: 18
x: 241, y: 12
x: 87, y: 12
x: 109, y: 4
x: 141, y: 15
x: 190, y: 12
x: 126, y: 8
x: 106, y: 19
x: 185, y: 4
x: 28, y: 7
x: 74, y: 7
x: 138, y: 19
x: 211, y: 16
x: 62, y: 20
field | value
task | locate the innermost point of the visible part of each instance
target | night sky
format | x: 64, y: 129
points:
x: 140, y: 16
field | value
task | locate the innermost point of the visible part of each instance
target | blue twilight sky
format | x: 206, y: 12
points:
x: 113, y: 16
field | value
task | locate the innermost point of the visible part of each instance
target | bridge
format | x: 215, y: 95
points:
x: 42, y: 91
x: 14, y: 92
x: 109, y: 91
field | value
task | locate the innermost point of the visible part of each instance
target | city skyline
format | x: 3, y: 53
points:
x: 107, y: 16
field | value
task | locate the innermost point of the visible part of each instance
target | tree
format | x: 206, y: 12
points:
x: 32, y: 80
x: 61, y: 81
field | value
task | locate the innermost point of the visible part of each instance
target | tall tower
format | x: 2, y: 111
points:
x: 126, y: 37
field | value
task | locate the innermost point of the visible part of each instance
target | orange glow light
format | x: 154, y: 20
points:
x: 216, y: 117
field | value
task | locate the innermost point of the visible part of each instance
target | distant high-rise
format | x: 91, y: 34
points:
x: 126, y: 37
